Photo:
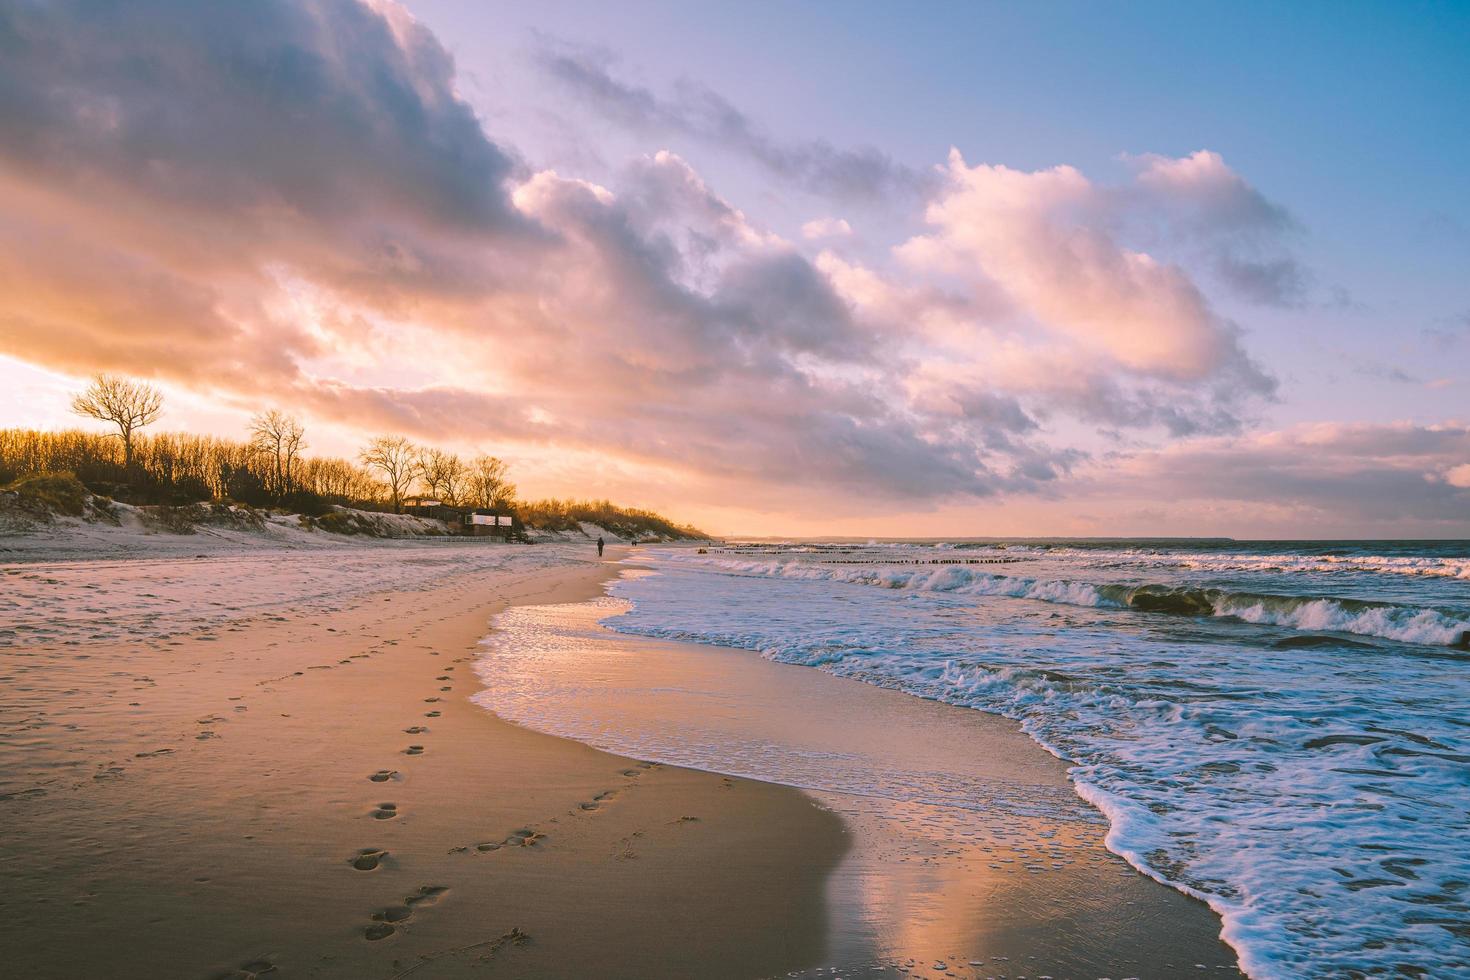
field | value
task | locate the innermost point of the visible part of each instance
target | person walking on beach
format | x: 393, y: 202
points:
x: 599, y: 546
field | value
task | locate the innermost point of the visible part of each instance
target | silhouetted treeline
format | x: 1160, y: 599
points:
x: 565, y: 515
x: 176, y: 468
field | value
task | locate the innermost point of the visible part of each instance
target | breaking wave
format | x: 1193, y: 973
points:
x: 1402, y: 623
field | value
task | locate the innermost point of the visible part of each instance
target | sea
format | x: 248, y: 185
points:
x: 1278, y: 728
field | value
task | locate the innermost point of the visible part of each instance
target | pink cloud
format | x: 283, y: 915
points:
x: 1044, y: 238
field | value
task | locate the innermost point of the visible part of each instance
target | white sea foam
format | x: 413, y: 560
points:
x: 1404, y: 623
x: 1393, y: 622
x: 1433, y: 567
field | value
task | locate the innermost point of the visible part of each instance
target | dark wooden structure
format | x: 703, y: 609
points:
x: 488, y: 523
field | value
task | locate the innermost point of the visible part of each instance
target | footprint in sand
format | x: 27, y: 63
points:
x: 432, y: 714
x: 416, y: 730
x: 414, y: 750
x: 432, y: 700
x: 385, y: 921
x: 525, y: 837
x: 385, y: 811
x: 599, y: 799
x: 367, y: 859
x: 383, y: 775
x: 446, y: 677
x: 426, y: 895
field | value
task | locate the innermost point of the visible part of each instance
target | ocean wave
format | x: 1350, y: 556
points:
x: 1320, y: 562
x: 1421, y: 566
x: 1327, y: 562
x: 1402, y: 623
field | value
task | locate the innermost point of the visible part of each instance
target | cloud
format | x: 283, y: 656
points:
x: 280, y: 110
x: 696, y: 112
x: 288, y: 202
x: 1043, y: 238
x: 1214, y: 197
x: 826, y: 228
x: 729, y: 352
x: 1032, y: 293
x: 1350, y: 479
x: 1199, y: 202
x: 166, y: 166
x: 1387, y: 372
x: 1449, y: 332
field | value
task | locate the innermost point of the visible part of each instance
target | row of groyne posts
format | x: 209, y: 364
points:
x: 880, y: 561
x: 916, y: 561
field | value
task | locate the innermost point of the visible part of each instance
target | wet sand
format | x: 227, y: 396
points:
x: 972, y: 855
x: 311, y: 795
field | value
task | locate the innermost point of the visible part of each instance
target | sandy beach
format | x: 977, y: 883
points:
x: 269, y: 794
x: 305, y: 788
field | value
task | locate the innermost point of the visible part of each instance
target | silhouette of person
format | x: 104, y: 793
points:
x: 599, y: 547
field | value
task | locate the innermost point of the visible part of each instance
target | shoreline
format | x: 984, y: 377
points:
x: 971, y: 846
x: 203, y: 804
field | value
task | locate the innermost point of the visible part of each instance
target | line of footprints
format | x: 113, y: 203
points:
x: 385, y: 921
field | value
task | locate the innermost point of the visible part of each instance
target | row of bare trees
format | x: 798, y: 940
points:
x: 270, y: 468
x: 480, y: 482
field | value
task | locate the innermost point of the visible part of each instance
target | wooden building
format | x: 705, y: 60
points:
x: 485, y: 523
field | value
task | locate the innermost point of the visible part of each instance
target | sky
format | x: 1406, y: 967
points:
x: 800, y: 268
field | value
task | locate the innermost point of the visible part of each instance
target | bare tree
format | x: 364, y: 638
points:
x: 487, y: 485
x: 444, y: 475
x: 398, y: 460
x: 453, y: 478
x: 428, y: 469
x: 126, y: 404
x: 281, y: 437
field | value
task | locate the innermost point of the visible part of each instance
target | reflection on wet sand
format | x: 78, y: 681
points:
x: 971, y: 856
